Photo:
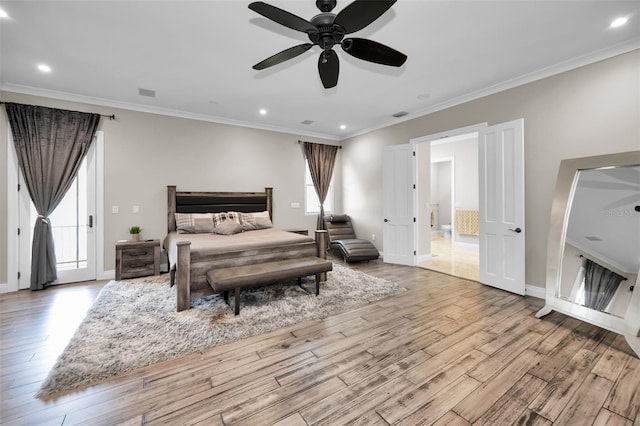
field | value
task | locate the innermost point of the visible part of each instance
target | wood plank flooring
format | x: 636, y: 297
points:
x: 447, y: 352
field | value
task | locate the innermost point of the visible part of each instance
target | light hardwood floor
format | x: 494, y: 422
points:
x: 458, y: 260
x: 446, y: 352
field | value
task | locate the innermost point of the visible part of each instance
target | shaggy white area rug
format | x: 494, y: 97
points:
x: 134, y: 324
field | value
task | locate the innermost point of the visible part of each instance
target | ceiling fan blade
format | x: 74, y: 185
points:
x: 372, y: 51
x: 285, y: 55
x: 329, y: 68
x: 361, y: 13
x: 283, y: 17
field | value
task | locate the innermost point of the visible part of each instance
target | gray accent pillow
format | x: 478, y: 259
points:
x: 194, y: 223
x: 228, y: 227
x: 218, y: 218
x: 253, y: 221
x: 263, y: 221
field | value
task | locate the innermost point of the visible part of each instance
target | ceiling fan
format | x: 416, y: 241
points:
x: 327, y: 29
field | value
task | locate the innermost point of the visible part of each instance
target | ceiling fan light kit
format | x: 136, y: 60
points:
x: 327, y: 30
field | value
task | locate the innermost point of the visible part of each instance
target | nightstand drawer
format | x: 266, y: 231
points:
x: 136, y: 270
x: 138, y: 254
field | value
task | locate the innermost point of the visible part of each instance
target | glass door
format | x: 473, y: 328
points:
x: 73, y: 226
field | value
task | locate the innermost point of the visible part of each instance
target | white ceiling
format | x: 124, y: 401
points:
x: 197, y: 56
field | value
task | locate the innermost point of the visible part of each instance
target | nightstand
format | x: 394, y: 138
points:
x: 137, y: 259
x: 300, y: 231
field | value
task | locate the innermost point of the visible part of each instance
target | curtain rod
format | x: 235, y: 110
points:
x: 110, y: 117
x: 584, y: 257
x: 339, y: 147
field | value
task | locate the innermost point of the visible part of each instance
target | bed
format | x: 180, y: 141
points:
x: 191, y: 256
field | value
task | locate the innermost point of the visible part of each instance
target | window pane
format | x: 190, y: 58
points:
x: 312, y: 202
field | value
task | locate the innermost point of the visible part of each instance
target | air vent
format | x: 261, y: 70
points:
x: 400, y: 114
x: 307, y: 122
x: 147, y: 92
x: 593, y: 238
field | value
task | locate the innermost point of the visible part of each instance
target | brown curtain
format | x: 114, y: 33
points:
x: 321, y: 159
x: 50, y: 145
x: 600, y: 285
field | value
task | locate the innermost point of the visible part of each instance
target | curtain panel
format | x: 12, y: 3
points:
x: 321, y: 159
x: 600, y: 285
x: 50, y: 145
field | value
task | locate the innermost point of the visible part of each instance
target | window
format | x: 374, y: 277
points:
x: 311, y: 198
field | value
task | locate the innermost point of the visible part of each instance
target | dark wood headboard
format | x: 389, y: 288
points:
x: 215, y: 202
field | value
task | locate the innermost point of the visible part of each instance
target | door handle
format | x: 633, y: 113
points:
x: 90, y: 221
x: 517, y: 230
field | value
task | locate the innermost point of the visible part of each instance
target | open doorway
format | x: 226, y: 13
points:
x: 453, y: 206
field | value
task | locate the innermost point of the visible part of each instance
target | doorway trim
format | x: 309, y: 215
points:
x: 476, y: 128
x: 452, y: 179
x: 13, y: 199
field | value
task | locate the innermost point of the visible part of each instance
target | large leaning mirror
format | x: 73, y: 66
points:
x: 593, y: 255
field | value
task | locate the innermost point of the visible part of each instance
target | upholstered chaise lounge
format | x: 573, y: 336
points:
x: 342, y: 239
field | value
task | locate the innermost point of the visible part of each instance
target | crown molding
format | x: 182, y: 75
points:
x: 564, y: 66
x: 71, y: 97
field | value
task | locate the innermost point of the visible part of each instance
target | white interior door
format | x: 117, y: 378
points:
x: 397, y: 204
x: 502, y: 233
x: 73, y: 226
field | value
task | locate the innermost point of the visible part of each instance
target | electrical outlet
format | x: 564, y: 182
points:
x: 295, y: 205
x: 114, y: 209
x: 373, y: 237
x: 136, y: 209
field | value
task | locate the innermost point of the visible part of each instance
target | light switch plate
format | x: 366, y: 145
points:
x: 114, y: 209
x: 295, y: 205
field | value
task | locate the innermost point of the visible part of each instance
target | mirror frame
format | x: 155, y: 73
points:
x: 629, y: 325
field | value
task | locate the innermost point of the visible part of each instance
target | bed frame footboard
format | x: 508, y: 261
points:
x: 188, y: 274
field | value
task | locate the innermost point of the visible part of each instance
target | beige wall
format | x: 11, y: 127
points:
x: 146, y: 152
x: 591, y: 110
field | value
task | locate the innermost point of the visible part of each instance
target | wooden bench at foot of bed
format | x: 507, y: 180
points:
x: 186, y: 273
x: 236, y: 278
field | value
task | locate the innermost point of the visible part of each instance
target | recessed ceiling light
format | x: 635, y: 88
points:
x: 44, y: 68
x: 3, y: 14
x: 618, y: 22
x: 342, y: 127
x: 424, y: 96
x: 263, y: 111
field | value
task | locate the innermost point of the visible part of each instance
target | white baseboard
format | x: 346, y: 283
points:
x: 535, y: 291
x: 4, y: 288
x: 107, y: 275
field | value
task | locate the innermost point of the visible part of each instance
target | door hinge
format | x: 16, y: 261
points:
x: 18, y: 187
x: 18, y: 275
x: 414, y: 253
x: 414, y: 153
x: 18, y: 231
x: 414, y: 220
x: 414, y: 186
